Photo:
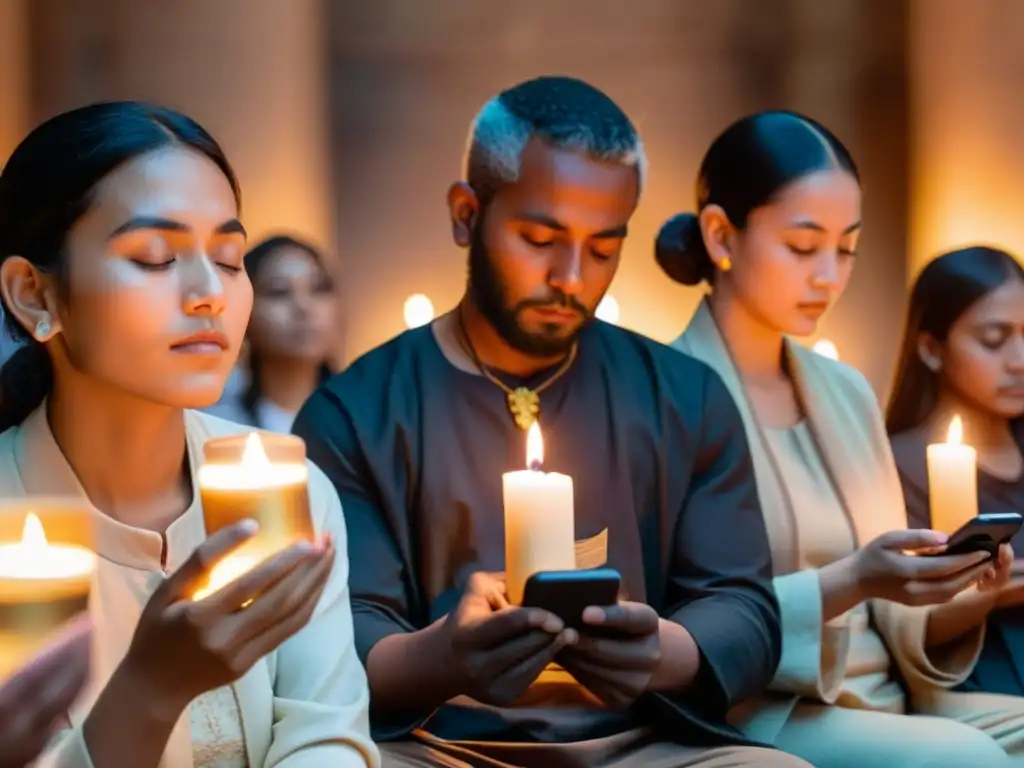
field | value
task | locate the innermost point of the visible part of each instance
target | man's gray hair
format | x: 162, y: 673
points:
x: 563, y: 112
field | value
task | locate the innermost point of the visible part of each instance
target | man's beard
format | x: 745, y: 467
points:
x: 489, y: 295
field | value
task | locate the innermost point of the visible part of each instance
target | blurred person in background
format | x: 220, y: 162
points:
x: 962, y: 355
x: 775, y: 237
x: 290, y: 337
x: 121, y: 273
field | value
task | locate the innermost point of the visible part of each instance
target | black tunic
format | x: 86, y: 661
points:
x: 656, y: 448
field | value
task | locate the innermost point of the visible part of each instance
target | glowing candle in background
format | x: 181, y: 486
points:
x: 608, y: 310
x: 258, y: 477
x: 826, y: 348
x: 43, y: 583
x: 539, y: 519
x: 418, y: 310
x: 952, y: 480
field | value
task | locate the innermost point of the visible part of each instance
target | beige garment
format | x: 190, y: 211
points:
x: 844, y: 418
x: 215, y: 725
x: 824, y: 535
x: 624, y: 750
x: 866, y: 726
x: 998, y: 715
x: 305, y: 705
x: 837, y: 737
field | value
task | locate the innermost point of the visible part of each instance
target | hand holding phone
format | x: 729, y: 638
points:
x: 498, y: 650
x: 618, y: 654
x: 567, y: 594
x: 912, y: 567
x: 984, y: 533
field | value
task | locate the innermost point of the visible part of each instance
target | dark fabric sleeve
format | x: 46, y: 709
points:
x: 378, y: 576
x: 916, y: 498
x: 720, y: 574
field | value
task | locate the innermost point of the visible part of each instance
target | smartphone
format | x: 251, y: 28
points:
x: 984, y: 533
x: 567, y: 593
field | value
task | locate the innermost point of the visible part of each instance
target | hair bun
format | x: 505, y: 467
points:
x: 680, y: 252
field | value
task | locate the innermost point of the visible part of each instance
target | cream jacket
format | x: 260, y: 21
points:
x: 847, y: 424
x: 306, y: 705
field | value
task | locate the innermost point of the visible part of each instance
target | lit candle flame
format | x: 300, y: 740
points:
x: 418, y: 310
x: 534, y: 447
x: 608, y: 310
x: 254, y: 456
x: 826, y: 348
x: 32, y: 534
x: 33, y: 557
x: 955, y: 435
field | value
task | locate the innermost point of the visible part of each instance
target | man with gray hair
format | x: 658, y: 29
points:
x: 417, y: 434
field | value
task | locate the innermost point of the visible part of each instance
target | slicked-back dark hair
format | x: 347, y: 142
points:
x: 47, y: 186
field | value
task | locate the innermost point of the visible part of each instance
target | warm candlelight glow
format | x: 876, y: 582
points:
x: 826, y: 348
x: 534, y: 447
x: 226, y: 571
x: 35, y: 558
x: 418, y: 310
x: 254, y: 470
x: 254, y: 457
x: 955, y: 433
x: 46, y: 572
x: 539, y: 519
x: 952, y: 480
x: 262, y: 478
x: 608, y: 310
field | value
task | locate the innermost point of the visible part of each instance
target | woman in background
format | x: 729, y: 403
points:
x: 121, y: 272
x: 291, y: 333
x: 963, y: 355
x: 775, y: 236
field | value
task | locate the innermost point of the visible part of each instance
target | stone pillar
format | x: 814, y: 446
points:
x: 251, y: 71
x: 967, y: 163
x: 15, y: 73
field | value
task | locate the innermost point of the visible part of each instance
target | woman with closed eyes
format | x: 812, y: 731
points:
x: 121, y: 271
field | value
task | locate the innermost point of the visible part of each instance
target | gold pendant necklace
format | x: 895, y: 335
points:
x: 523, y: 403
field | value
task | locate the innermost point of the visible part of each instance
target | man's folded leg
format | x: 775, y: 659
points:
x: 624, y: 750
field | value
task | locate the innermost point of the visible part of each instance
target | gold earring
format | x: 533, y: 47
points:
x: 725, y: 264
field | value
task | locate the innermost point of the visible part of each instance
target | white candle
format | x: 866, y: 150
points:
x: 952, y: 480
x: 539, y: 520
x: 261, y: 478
x: 826, y: 348
x: 42, y: 585
x: 33, y: 560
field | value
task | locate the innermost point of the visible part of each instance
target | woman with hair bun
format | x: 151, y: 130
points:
x: 774, y: 237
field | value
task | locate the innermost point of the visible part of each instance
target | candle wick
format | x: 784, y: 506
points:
x: 535, y: 465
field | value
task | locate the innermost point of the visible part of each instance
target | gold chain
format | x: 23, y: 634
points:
x: 523, y: 403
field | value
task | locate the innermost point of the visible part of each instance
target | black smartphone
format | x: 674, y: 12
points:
x: 984, y: 533
x: 568, y: 593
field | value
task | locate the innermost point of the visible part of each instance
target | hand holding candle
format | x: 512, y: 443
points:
x: 185, y: 647
x: 952, y: 481
x: 261, y: 478
x: 539, y: 519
